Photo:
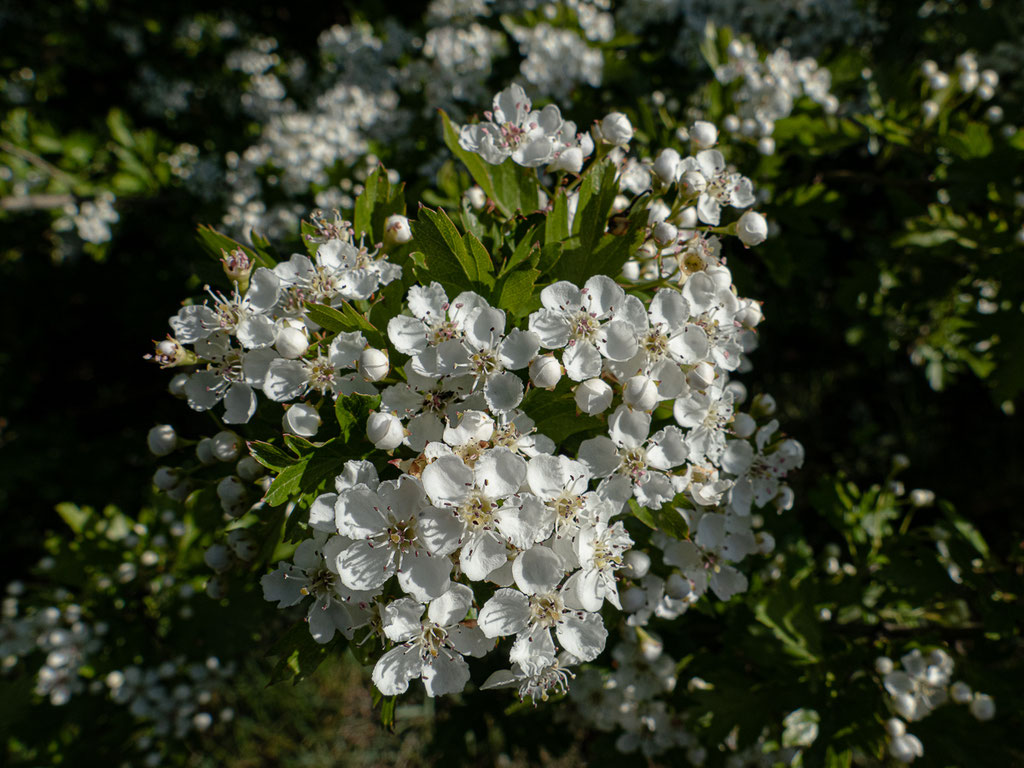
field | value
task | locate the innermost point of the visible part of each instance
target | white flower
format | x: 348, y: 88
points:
x: 538, y: 684
x: 599, y: 549
x: 752, y: 228
x: 340, y: 272
x: 530, y: 138
x: 586, y: 323
x: 704, y: 561
x: 615, y: 129
x: 759, y: 474
x: 291, y: 379
x: 394, y: 531
x: 723, y: 187
x: 432, y: 649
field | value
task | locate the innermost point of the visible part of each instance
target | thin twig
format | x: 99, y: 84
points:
x: 34, y: 202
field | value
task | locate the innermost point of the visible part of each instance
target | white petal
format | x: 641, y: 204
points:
x: 408, y: 335
x: 628, y: 428
x: 364, y: 566
x: 322, y: 514
x: 239, y: 403
x: 533, y: 651
x: 447, y: 481
x: 451, y: 607
x: 358, y: 514
x: 728, y: 582
x: 617, y: 340
x: 599, y: 456
x: 584, y: 637
x: 691, y: 346
x: 518, y: 349
x: 499, y: 472
x: 286, y: 380
x: 447, y: 673
x: 428, y: 302
x: 469, y: 641
x: 395, y: 669
x: 562, y: 297
x: 507, y: 613
x: 670, y: 310
x: 603, y: 296
x: 667, y: 449
x: 439, y: 531
x: 256, y: 331
x: 325, y: 617
x: 503, y: 391
x: 401, y: 619
x: 528, y: 522
x: 204, y: 390
x: 582, y: 361
x: 537, y: 570
x: 345, y: 350
x: 551, y: 328
x: 284, y: 586
x: 424, y: 577
x: 481, y: 553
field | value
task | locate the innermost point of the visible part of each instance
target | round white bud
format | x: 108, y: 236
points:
x: 738, y: 390
x: 784, y: 500
x: 929, y: 67
x: 616, y: 129
x: 636, y: 564
x: 749, y: 127
x: 735, y: 48
x: 291, y: 343
x: 593, y: 396
x: 385, y: 430
x: 985, y: 92
x: 620, y: 203
x: 204, y: 451
x: 693, y: 183
x: 990, y: 78
x: 658, y: 212
x: 743, y: 425
x: 704, y: 134
x: 177, y: 385
x: 545, y: 372
x: 969, y: 80
x: 752, y: 228
x: 960, y: 692
x: 397, y: 229
x: 631, y: 270
x: 906, y: 748
x: 906, y: 705
x: 216, y: 589
x: 373, y: 364
x: 231, y: 490
x: 895, y: 727
x: 750, y: 315
x: 666, y: 165
x: 731, y: 123
x: 633, y: 599
x: 766, y: 127
x: 241, y: 544
x: 930, y: 109
x: 686, y: 218
x: 764, y: 404
x: 162, y: 439
x: 226, y: 446
x: 586, y: 144
x: 665, y: 234
x: 301, y: 419
x: 569, y: 160
x: 983, y: 706
x: 922, y: 497
x: 938, y: 81
x: 967, y: 61
x: 883, y: 664
x: 249, y: 469
x: 766, y: 146
x: 477, y: 197
x: 678, y: 587
x: 994, y: 114
x: 701, y: 376
x: 217, y: 558
x: 166, y: 478
x: 831, y: 104
x: 640, y: 393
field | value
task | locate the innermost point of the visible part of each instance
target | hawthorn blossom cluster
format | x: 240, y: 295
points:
x: 767, y: 90
x: 966, y: 82
x: 489, y: 535
x: 259, y: 339
x: 918, y: 686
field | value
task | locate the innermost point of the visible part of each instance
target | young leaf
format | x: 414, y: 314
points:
x: 270, y: 456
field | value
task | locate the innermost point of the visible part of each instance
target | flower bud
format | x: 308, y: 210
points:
x: 570, y: 160
x: 226, y: 446
x: 586, y: 144
x: 204, y: 452
x: 994, y: 114
x: 930, y: 109
x: 385, y: 430
x: 633, y: 599
x: 743, y: 425
x: 237, y: 266
x: 170, y: 353
x: 701, y: 377
x: 922, y: 497
x: 766, y: 146
x: 301, y: 419
x: 748, y: 127
x: 231, y: 490
x: 750, y: 315
x: 895, y: 727
x: 177, y: 385
x: 906, y: 747
x: 784, y: 500
x: 686, y: 218
x: 738, y: 390
x: 990, y: 78
x: 241, y: 544
x: 620, y: 203
x: 905, y: 704
x: 985, y: 92
x: 396, y: 230
x: 636, y: 564
x: 291, y: 342
x: 938, y: 81
x: 883, y: 664
x: 545, y: 372
x: 693, y: 183
x: 929, y: 67
x: 677, y: 587
x: 616, y: 129
x: 752, y: 228
x: 166, y: 478
x: 731, y: 123
x: 983, y: 707
x: 216, y: 589
x: 373, y: 364
x: 162, y: 440
x: 665, y: 234
x: 960, y: 692
x: 477, y: 197
x: 631, y: 270
x: 763, y: 405
x: 217, y: 558
x: 249, y: 469
x: 658, y: 212
x: 765, y: 542
x: 968, y: 80
x: 666, y: 165
x: 704, y: 134
x: 640, y: 393
x: 593, y: 396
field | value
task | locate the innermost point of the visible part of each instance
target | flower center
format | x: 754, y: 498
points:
x: 477, y: 511
x: 321, y: 583
x: 431, y: 639
x: 321, y: 374
x: 633, y: 463
x: 484, y: 362
x: 323, y: 285
x: 443, y: 332
x: 567, y: 510
x: 656, y: 344
x: 546, y: 610
x: 583, y: 326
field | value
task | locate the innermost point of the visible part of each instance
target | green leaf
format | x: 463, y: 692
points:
x: 215, y: 243
x: 363, y: 216
x: 352, y: 412
x: 270, y: 456
x: 344, y: 319
x: 480, y: 258
x: 516, y: 290
x: 525, y: 249
x: 286, y: 484
x: 450, y: 259
x: 299, y: 654
x: 387, y: 712
x: 556, y: 414
x: 74, y: 515
x: 119, y: 128
x: 668, y: 520
x: 300, y: 445
x: 515, y: 187
x: 556, y: 225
